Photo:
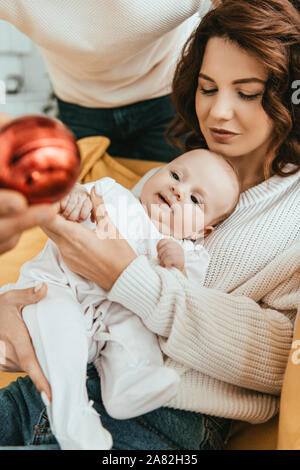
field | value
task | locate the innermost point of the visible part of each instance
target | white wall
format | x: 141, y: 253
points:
x: 19, y: 56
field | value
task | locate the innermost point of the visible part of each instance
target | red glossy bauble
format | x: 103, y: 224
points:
x: 38, y: 157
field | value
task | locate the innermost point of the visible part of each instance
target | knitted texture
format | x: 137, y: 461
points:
x: 102, y: 53
x: 234, y: 333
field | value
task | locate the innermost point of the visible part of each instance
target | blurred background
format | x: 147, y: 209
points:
x: 28, y: 88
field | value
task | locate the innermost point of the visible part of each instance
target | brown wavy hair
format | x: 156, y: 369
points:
x: 269, y: 29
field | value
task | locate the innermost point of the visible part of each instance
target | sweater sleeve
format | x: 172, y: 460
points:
x: 6, y: 10
x: 228, y: 336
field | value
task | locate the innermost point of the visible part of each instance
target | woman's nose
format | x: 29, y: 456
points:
x: 222, y: 107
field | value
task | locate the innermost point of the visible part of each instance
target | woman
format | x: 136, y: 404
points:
x: 232, y: 89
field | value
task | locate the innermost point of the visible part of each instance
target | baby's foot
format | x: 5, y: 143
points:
x: 85, y: 432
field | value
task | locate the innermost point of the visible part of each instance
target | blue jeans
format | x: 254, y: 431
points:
x: 135, y: 131
x: 24, y: 424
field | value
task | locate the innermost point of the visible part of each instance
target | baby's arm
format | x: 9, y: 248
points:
x: 192, y: 260
x: 77, y: 205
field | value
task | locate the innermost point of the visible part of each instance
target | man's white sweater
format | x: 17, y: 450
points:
x: 102, y: 53
x: 234, y: 334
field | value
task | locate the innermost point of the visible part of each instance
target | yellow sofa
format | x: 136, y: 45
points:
x: 96, y: 163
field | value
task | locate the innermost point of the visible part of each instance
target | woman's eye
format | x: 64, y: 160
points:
x: 246, y: 97
x: 175, y: 176
x: 207, y: 91
x: 194, y: 200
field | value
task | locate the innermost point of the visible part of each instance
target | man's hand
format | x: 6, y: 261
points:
x: 15, y: 215
x: 170, y: 254
x: 16, y: 351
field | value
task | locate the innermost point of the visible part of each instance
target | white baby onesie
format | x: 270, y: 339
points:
x: 76, y: 324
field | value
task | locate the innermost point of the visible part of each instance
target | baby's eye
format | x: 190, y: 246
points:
x: 194, y: 199
x: 175, y: 176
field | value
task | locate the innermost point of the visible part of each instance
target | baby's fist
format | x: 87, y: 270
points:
x: 77, y: 205
x: 170, y: 254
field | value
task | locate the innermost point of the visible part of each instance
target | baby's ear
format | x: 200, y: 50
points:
x: 208, y: 230
x: 196, y: 235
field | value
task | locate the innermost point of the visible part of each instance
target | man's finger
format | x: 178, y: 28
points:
x: 11, y: 202
x: 9, y: 244
x: 16, y: 224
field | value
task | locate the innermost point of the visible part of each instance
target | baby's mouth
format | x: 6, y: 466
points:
x: 164, y: 200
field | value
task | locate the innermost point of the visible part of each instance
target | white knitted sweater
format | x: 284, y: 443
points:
x: 234, y: 334
x: 103, y: 53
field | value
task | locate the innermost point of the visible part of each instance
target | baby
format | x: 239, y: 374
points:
x: 76, y: 323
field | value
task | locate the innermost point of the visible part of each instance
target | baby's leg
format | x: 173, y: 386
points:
x: 134, y: 379
x: 57, y: 328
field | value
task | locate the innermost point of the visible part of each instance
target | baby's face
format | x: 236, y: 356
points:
x: 185, y: 197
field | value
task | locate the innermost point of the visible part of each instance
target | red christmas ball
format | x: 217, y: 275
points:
x: 39, y: 157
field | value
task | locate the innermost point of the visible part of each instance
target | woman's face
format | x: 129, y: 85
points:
x: 229, y: 101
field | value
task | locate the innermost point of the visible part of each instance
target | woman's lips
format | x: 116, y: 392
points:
x: 222, y: 135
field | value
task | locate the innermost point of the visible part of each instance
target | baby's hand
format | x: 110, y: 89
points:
x: 170, y: 254
x: 77, y: 205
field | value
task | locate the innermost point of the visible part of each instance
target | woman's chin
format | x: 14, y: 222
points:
x: 225, y: 149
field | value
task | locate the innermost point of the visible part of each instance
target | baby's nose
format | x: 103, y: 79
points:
x: 177, y: 191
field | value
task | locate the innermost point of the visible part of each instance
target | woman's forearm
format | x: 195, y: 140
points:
x: 225, y: 336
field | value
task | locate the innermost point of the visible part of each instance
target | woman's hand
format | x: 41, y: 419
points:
x: 99, y: 256
x: 15, y: 215
x: 16, y: 350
